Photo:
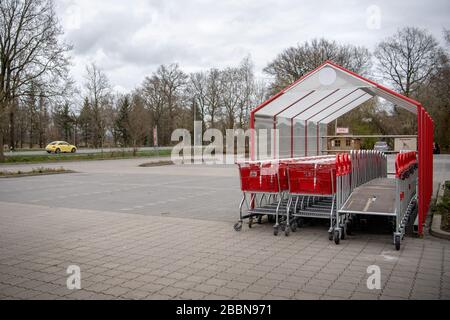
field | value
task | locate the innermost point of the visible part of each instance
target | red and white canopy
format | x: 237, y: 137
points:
x: 330, y: 91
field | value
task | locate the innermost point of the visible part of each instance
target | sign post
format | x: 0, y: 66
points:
x: 155, y: 140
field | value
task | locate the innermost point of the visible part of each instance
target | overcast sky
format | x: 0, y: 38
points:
x: 129, y: 39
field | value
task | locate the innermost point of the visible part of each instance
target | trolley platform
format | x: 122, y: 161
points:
x: 376, y: 197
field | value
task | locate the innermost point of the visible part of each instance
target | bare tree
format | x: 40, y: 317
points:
x: 407, y: 59
x: 164, y: 94
x: 173, y: 81
x: 231, y: 95
x: 150, y: 92
x: 30, y: 51
x: 197, y: 91
x: 248, y: 87
x: 294, y: 62
x: 434, y: 94
x: 138, y: 122
x: 214, y: 92
x: 98, y: 93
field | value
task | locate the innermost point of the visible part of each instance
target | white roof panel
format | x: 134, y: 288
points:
x: 349, y: 107
x: 308, y: 102
x: 327, y: 93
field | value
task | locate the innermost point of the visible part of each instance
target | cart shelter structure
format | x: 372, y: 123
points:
x: 301, y: 112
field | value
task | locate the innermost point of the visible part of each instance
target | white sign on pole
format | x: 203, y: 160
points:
x: 342, y: 130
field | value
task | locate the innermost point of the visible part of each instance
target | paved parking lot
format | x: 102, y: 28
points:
x: 166, y: 232
x: 176, y: 191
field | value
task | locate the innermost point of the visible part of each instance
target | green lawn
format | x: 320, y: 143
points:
x: 84, y: 156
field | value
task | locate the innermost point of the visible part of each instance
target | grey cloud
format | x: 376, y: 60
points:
x: 137, y: 35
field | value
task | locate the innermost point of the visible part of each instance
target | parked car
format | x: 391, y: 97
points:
x: 60, y: 146
x: 381, y: 146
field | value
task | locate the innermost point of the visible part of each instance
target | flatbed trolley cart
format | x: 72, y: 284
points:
x: 382, y: 196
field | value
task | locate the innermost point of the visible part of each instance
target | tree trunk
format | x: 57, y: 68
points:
x: 31, y: 132
x: 75, y: 134
x: 134, y: 148
x: 41, y: 139
x: 2, y: 156
x: 12, y: 132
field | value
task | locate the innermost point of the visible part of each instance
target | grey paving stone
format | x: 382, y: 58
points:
x: 228, y: 292
x: 44, y: 296
x: 306, y: 296
x: 281, y: 292
x: 171, y: 291
x: 206, y: 288
x: 249, y: 296
x: 192, y: 295
x: 400, y: 293
x: 364, y: 296
x: 313, y: 289
x: 343, y: 294
x: 133, y: 256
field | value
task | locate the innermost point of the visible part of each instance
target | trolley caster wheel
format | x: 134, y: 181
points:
x: 238, y: 227
x: 287, y: 231
x: 349, y: 228
x: 337, y: 237
x: 250, y: 223
x: 397, y: 243
x: 343, y: 232
x: 276, y: 230
x: 330, y: 236
x: 259, y: 220
x: 294, y: 226
x: 300, y: 223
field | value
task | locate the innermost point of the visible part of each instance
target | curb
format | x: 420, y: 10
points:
x: 436, y: 228
x: 36, y: 174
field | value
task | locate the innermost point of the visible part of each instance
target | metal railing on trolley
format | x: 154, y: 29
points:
x: 288, y: 190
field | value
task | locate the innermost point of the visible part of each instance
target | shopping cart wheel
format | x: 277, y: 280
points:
x: 250, y: 223
x: 238, y: 226
x: 397, y: 243
x: 330, y: 236
x: 300, y: 222
x: 337, y: 236
x: 343, y: 232
x: 260, y: 220
x: 294, y: 226
x: 276, y: 229
x: 287, y: 231
x: 349, y: 228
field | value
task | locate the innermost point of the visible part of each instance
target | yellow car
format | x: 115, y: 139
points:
x: 60, y: 146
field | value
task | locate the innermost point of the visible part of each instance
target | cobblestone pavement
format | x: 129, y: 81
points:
x: 133, y: 256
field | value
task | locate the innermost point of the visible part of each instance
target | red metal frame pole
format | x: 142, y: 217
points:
x: 420, y: 196
x: 318, y: 133
x: 306, y: 138
x: 292, y: 137
x: 252, y: 136
x: 274, y: 136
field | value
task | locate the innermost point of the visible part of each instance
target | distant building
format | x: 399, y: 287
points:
x: 343, y: 144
